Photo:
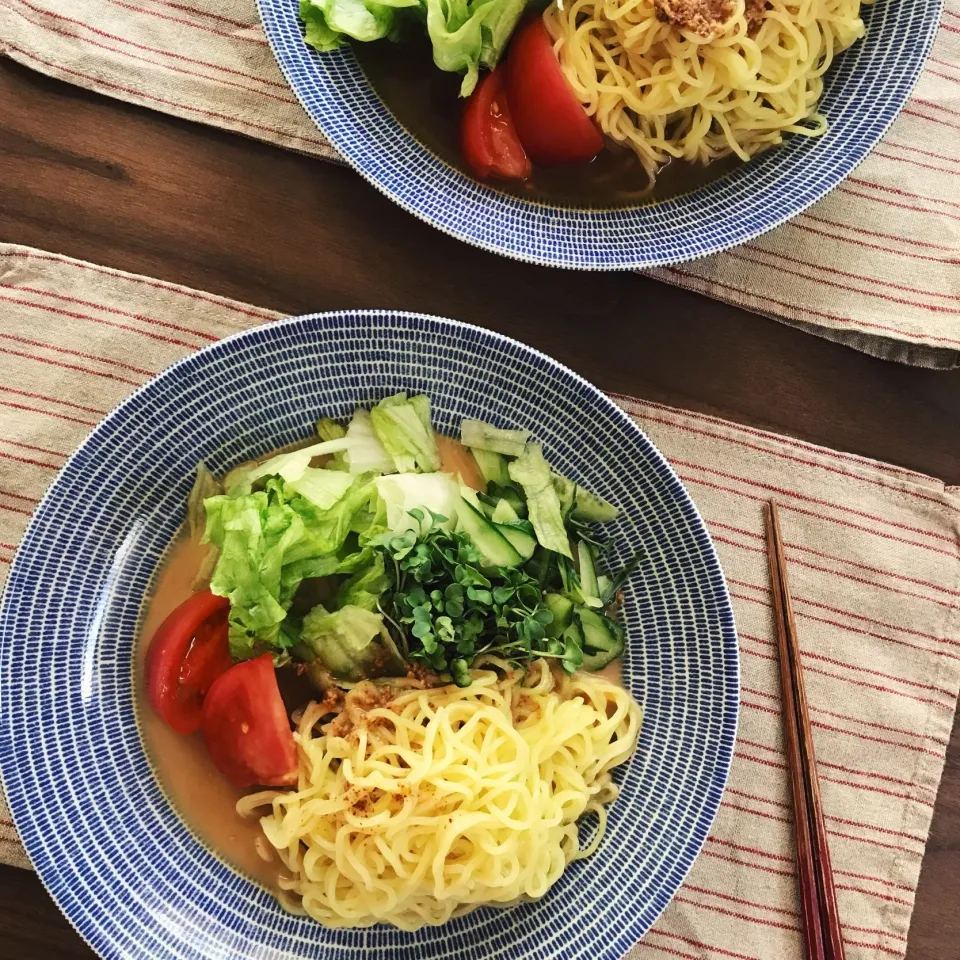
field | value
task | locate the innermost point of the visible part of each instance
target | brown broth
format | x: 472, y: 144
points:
x: 425, y: 101
x: 204, y: 798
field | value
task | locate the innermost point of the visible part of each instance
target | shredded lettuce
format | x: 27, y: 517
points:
x: 485, y: 436
x: 366, y: 453
x: 465, y: 34
x: 403, y: 427
x: 532, y: 472
x: 328, y: 429
x: 421, y: 404
x: 468, y: 34
x: 204, y: 485
x: 403, y: 492
x: 324, y: 488
x: 269, y: 541
x: 290, y: 466
x: 326, y: 530
x: 253, y: 533
x: 329, y: 22
x: 366, y: 586
x: 315, y: 30
x: 344, y: 641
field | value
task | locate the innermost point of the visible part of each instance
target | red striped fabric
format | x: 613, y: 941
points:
x: 874, y: 566
x: 875, y: 265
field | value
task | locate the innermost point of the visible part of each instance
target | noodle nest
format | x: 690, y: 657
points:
x: 701, y: 79
x: 420, y: 804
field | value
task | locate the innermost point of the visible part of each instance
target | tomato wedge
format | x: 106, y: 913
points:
x: 188, y: 652
x: 245, y: 726
x: 550, y: 122
x: 488, y: 139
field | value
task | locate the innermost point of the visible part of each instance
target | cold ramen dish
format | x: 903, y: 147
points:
x: 373, y: 669
x: 595, y: 99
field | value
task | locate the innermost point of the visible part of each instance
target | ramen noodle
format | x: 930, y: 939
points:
x: 415, y: 805
x: 701, y: 79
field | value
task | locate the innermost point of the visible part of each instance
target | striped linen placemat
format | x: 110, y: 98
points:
x: 875, y: 265
x: 873, y: 554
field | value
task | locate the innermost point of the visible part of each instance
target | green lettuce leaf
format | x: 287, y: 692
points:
x: 323, y: 488
x: 253, y: 534
x: 469, y: 33
x: 316, y: 31
x: 403, y: 427
x: 366, y: 586
x: 345, y: 641
x: 271, y: 540
x: 324, y: 531
x: 403, y: 492
x: 465, y: 34
x: 366, y: 453
x: 532, y: 472
x: 328, y: 429
x: 290, y: 466
x: 328, y: 23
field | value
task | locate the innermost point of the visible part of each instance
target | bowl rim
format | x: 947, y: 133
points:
x: 622, y: 263
x: 87, y: 927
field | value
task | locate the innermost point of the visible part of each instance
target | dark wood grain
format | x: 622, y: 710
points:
x: 118, y: 185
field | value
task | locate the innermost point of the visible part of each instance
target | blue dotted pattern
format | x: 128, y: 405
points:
x: 127, y: 872
x: 864, y: 91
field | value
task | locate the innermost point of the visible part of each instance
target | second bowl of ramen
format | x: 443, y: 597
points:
x: 604, y: 135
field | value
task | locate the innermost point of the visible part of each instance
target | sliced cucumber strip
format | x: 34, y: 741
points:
x: 494, y: 548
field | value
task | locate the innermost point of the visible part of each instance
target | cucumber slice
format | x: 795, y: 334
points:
x: 493, y: 466
x: 504, y: 513
x: 508, y: 492
x: 590, y: 508
x: 494, y: 548
x: 542, y: 567
x: 520, y: 534
x: 597, y: 661
x: 485, y: 436
x: 562, y: 610
x: 600, y: 634
x: 588, y: 575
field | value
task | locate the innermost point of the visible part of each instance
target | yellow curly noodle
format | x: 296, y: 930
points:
x: 735, y: 87
x: 447, y: 798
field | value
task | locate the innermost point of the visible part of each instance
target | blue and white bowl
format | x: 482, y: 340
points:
x: 864, y: 91
x: 124, y: 868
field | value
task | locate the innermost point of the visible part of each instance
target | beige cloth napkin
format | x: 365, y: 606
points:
x: 873, y: 555
x: 875, y: 265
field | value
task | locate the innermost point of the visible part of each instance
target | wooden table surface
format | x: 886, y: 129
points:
x: 118, y: 185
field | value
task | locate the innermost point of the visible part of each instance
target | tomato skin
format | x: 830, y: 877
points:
x: 550, y: 122
x: 245, y: 726
x: 186, y: 655
x: 488, y: 140
x: 459, y: 462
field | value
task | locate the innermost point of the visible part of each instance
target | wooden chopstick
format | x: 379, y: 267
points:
x: 818, y: 898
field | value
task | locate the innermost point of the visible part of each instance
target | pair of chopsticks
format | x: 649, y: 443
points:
x: 815, y: 875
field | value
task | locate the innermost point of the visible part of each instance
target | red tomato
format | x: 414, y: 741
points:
x: 246, y: 729
x: 487, y: 137
x: 188, y: 652
x: 550, y: 122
